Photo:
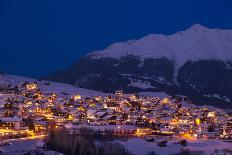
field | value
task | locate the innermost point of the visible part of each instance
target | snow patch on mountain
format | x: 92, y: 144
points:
x: 225, y: 98
x: 141, y: 84
x: 154, y: 94
x: 195, y: 43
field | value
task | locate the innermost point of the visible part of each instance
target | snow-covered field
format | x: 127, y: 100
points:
x: 141, y: 147
x: 55, y: 87
x: 59, y: 88
x: 19, y: 146
x: 137, y: 146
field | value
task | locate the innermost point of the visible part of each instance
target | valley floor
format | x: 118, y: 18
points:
x: 141, y: 147
x: 137, y: 146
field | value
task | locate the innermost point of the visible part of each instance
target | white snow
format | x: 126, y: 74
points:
x: 195, y: 43
x: 154, y: 94
x: 55, y: 87
x: 13, y: 80
x: 209, y: 146
x: 25, y: 145
x: 140, y: 146
x: 60, y: 87
x: 141, y: 84
x: 20, y: 145
x: 225, y: 98
x: 105, y: 127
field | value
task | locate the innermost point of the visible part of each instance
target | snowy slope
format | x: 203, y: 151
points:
x: 14, y: 80
x: 195, y: 43
x: 53, y: 87
x: 61, y: 87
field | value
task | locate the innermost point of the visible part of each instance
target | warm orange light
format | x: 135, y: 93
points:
x: 165, y: 101
x: 211, y: 114
x: 77, y: 97
x: 187, y: 136
x: 198, y: 121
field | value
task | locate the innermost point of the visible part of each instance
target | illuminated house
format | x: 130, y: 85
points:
x: 77, y: 97
x: 228, y: 128
x: 98, y: 98
x: 165, y: 100
x: 111, y: 119
x: 119, y: 93
x: 9, y: 105
x: 11, y: 122
x: 112, y: 105
x: 40, y: 126
x: 211, y: 114
x: 133, y: 97
x: 31, y: 86
x: 90, y: 113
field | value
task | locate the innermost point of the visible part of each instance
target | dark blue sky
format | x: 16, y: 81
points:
x: 38, y: 37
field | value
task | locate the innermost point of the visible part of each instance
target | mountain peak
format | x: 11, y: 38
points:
x: 196, y: 43
x: 198, y: 26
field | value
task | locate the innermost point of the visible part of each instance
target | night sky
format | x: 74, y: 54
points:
x: 38, y: 37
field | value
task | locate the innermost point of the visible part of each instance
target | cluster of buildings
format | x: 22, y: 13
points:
x: 26, y: 110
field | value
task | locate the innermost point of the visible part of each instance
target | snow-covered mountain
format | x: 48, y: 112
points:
x: 196, y: 43
x: 196, y: 62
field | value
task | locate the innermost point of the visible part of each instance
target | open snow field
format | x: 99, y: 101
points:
x: 137, y: 146
x: 141, y: 147
x: 19, y: 146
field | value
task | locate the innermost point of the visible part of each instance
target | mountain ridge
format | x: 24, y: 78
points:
x: 179, y: 47
x: 196, y: 62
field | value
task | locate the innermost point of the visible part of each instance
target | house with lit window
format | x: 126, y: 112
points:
x: 11, y: 123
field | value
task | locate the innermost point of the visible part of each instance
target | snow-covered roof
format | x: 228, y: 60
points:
x: 11, y: 119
